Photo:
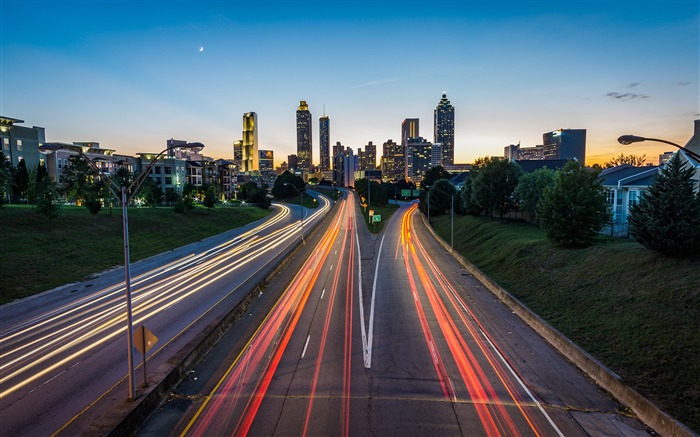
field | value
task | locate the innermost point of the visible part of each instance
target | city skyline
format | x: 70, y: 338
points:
x: 511, y: 70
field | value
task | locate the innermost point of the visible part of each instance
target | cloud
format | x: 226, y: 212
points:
x: 626, y: 96
x: 633, y: 84
x: 374, y: 82
x: 683, y: 83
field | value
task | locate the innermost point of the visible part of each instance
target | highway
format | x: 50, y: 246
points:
x: 63, y: 351
x: 389, y: 336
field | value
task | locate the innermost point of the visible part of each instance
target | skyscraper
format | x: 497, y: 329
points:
x: 369, y: 161
x: 304, y: 144
x: 390, y: 171
x: 249, y: 148
x: 409, y: 129
x: 445, y: 129
x: 419, y: 159
x: 324, y: 127
x: 565, y: 144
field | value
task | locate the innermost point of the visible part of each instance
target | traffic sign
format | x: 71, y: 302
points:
x: 377, y: 218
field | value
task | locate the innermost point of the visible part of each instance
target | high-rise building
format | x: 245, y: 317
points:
x: 304, y: 143
x: 292, y: 162
x: 565, y: 144
x: 250, y: 156
x: 324, y: 139
x: 391, y: 169
x: 369, y: 157
x: 238, y: 153
x: 419, y: 159
x: 445, y: 129
x: 267, y: 160
x: 409, y: 129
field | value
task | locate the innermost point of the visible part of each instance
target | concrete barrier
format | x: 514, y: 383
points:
x: 646, y: 410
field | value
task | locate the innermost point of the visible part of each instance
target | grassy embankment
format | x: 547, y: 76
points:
x: 37, y: 258
x: 636, y: 311
x: 384, y: 212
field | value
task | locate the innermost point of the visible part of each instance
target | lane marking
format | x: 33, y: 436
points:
x: 323, y: 292
x: 305, y: 346
x: 331, y: 267
x: 368, y: 358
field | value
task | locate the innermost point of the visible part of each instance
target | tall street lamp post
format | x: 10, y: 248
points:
x: 629, y: 139
x: 114, y: 188
x: 301, y: 209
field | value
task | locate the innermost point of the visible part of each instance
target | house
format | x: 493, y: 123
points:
x: 624, y: 185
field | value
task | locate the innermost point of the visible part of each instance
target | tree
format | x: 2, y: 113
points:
x: 667, y: 217
x: 530, y: 188
x: 468, y: 205
x: 20, y: 180
x: 78, y: 177
x: 493, y: 186
x: 210, y: 197
x: 281, y: 189
x: 432, y: 175
x: 94, y: 204
x: 5, y: 179
x: 440, y: 194
x: 633, y: 160
x: 49, y: 202
x: 575, y: 208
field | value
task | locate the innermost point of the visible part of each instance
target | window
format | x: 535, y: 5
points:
x: 168, y: 170
x: 19, y: 145
x: 634, y: 197
x: 6, y: 143
x: 168, y: 181
x: 59, y: 162
x: 156, y: 170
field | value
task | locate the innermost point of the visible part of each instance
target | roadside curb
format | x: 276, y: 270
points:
x: 127, y: 418
x: 646, y: 410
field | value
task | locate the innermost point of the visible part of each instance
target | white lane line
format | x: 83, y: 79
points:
x: 305, y: 346
x: 331, y: 266
x: 368, y: 359
x: 323, y: 292
x: 363, y: 331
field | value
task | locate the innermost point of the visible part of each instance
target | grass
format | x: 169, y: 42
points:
x: 36, y: 257
x: 384, y: 211
x: 634, y: 310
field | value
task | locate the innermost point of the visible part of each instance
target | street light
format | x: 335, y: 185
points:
x: 301, y: 209
x: 629, y: 139
x: 452, y: 196
x: 133, y: 188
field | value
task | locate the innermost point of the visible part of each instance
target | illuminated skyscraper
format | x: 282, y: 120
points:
x: 249, y: 148
x: 445, y: 129
x: 409, y: 129
x: 304, y: 144
x: 267, y: 160
x: 419, y: 159
x: 565, y: 144
x: 238, y: 153
x: 391, y: 169
x: 324, y: 127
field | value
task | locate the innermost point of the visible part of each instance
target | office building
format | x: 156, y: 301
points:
x: 565, y: 144
x: 292, y: 162
x: 419, y: 159
x: 267, y: 160
x: 409, y: 129
x: 324, y: 139
x: 444, y: 116
x: 390, y: 171
x: 436, y: 156
x: 249, y: 148
x: 21, y: 143
x: 369, y: 157
x: 238, y: 153
x: 304, y: 143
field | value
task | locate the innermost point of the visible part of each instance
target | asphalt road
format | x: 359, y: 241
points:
x: 386, y: 336
x: 63, y: 354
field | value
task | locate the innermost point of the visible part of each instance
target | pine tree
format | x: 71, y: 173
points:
x: 574, y: 209
x: 667, y: 217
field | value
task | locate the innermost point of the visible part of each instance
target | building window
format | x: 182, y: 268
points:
x: 168, y: 170
x: 634, y: 197
x: 6, y: 143
x: 59, y: 163
x: 19, y: 145
x: 156, y: 170
x: 168, y: 181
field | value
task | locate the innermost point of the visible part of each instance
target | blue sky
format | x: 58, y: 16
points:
x: 130, y: 74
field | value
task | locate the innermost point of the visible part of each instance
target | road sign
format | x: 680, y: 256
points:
x: 144, y: 339
x: 371, y: 212
x: 377, y: 218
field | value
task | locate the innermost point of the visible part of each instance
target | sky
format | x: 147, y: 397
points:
x: 132, y: 74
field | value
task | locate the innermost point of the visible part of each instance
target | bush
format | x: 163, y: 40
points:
x: 574, y: 209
